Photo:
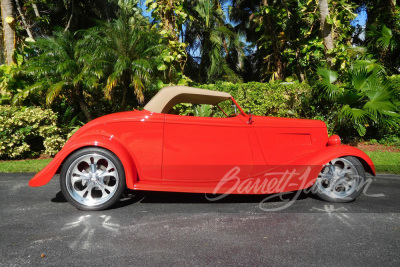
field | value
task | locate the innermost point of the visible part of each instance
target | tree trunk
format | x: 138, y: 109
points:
x: 300, y: 73
x: 123, y: 102
x: 35, y: 8
x: 169, y: 19
x: 27, y: 27
x: 70, y: 18
x: 82, y: 103
x: 276, y: 51
x: 393, y: 6
x: 326, y: 29
x: 8, y: 28
x: 85, y: 109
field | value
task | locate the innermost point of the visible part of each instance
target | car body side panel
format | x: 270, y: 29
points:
x: 204, y: 149
x: 282, y: 139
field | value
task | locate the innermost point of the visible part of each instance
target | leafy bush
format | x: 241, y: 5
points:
x: 395, y: 82
x: 28, y: 131
x: 266, y: 99
x: 362, y: 97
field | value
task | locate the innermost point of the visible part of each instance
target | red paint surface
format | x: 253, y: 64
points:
x: 165, y: 152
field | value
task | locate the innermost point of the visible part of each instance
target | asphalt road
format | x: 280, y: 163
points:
x: 163, y: 229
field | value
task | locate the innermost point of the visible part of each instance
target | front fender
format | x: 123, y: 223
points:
x: 109, y: 143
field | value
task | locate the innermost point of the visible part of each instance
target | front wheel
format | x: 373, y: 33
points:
x: 92, y: 179
x: 341, y: 180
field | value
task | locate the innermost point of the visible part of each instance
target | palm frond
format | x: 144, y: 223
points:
x: 328, y: 78
x: 25, y: 93
x: 355, y: 115
x: 386, y: 38
x: 327, y: 75
x: 379, y: 103
x: 54, y: 91
x: 112, y: 81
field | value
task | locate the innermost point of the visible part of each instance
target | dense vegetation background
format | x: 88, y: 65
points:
x: 65, y: 62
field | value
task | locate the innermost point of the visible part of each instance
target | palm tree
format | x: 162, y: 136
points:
x: 58, y: 72
x: 211, y: 36
x: 270, y: 26
x: 385, y: 43
x: 123, y: 54
x: 363, y: 96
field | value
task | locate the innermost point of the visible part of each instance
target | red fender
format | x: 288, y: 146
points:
x: 323, y: 156
x: 312, y: 163
x: 328, y: 153
x: 109, y: 143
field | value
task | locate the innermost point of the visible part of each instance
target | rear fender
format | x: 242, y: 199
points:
x: 109, y: 143
x: 312, y: 164
x: 328, y: 153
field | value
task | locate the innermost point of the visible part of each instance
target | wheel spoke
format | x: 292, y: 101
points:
x: 345, y: 183
x: 78, y: 176
x: 326, y: 176
x: 93, y: 168
x: 344, y: 172
x: 75, y: 179
x: 332, y: 169
x: 87, y: 189
x: 108, y: 172
x: 332, y: 185
x: 103, y: 188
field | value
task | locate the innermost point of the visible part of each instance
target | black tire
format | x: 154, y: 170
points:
x: 92, y: 179
x: 341, y: 180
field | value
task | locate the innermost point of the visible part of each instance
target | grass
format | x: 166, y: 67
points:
x: 30, y: 165
x: 385, y: 161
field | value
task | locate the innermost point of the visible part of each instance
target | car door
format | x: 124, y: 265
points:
x: 205, y: 149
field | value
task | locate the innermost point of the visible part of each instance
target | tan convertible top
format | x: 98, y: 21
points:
x: 169, y: 96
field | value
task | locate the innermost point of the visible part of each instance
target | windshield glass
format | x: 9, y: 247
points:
x: 222, y: 110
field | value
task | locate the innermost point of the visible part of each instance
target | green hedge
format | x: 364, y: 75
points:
x: 266, y: 99
x: 28, y: 132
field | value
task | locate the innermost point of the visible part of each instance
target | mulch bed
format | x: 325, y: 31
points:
x: 376, y: 147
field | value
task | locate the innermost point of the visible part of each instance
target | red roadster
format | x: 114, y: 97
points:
x: 214, y: 147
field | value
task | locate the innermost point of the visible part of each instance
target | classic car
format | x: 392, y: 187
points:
x: 201, y: 141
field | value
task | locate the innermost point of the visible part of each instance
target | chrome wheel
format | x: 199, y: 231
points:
x: 340, y: 180
x: 92, y: 180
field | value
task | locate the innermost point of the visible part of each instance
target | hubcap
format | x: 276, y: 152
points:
x: 338, y: 179
x: 92, y: 179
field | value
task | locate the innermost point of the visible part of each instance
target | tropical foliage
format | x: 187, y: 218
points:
x: 303, y: 58
x: 125, y: 57
x: 362, y: 97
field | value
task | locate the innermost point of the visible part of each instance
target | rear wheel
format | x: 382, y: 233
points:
x: 341, y: 180
x: 92, y: 179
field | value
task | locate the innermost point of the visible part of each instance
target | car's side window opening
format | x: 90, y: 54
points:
x: 221, y: 110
